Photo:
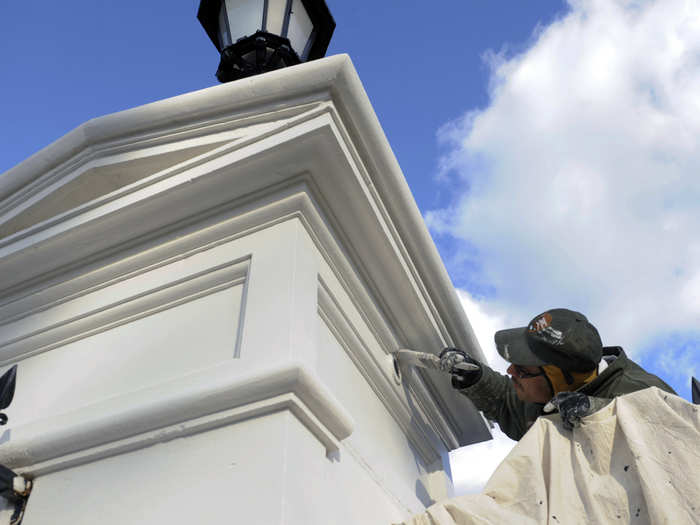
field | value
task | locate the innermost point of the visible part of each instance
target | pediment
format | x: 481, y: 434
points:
x: 99, y: 171
x: 302, y: 143
x: 96, y: 182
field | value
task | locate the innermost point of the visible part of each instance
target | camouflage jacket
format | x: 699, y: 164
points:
x: 495, y: 395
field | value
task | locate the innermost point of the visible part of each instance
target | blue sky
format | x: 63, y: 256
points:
x: 552, y: 147
x: 64, y: 65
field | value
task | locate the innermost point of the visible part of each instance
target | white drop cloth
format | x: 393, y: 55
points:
x: 635, y: 461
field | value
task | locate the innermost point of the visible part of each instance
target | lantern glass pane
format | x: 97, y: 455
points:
x: 244, y: 17
x: 224, y: 35
x: 300, y: 27
x: 275, y: 16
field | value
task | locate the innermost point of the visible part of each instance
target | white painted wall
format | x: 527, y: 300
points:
x: 378, y: 443
x: 227, y: 474
x: 147, y: 351
x: 209, y: 339
x: 263, y: 469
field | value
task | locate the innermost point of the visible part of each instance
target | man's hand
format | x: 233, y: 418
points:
x: 573, y: 406
x: 450, y: 358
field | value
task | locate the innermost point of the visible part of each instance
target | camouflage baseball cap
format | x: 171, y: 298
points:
x: 558, y: 337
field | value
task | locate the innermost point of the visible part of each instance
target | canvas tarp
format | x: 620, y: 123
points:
x: 635, y: 461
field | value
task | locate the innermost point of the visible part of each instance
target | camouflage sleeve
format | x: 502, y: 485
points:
x: 495, y: 396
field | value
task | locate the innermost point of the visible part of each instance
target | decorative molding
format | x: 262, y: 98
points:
x: 431, y: 412
x: 331, y: 248
x: 333, y: 80
x: 351, y: 341
x: 210, y: 398
x: 128, y: 300
x: 392, y: 228
x: 253, y: 213
x: 366, y: 135
x: 92, y: 182
x: 295, y: 198
x: 355, y: 204
x: 294, y: 201
x: 218, y: 147
x: 65, y: 158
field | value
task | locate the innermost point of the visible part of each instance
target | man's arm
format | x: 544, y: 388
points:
x: 491, y: 392
x: 495, y: 396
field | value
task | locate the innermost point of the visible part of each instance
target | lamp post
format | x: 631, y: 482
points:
x: 256, y: 36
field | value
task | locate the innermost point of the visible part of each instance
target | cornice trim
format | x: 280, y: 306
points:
x: 246, y: 97
x: 127, y: 302
x: 348, y: 338
x: 329, y: 79
x: 207, y: 399
x: 337, y: 148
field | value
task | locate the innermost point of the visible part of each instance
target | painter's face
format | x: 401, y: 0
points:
x: 530, y: 383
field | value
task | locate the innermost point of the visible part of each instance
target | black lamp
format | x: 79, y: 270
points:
x: 256, y: 36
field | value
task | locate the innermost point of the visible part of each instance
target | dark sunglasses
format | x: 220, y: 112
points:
x: 521, y: 373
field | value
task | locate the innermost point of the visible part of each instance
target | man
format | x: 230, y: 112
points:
x: 554, y: 359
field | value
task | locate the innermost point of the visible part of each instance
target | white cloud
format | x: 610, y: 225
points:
x: 579, y: 186
x: 485, y: 324
x: 473, y: 465
x: 677, y: 359
x: 579, y: 183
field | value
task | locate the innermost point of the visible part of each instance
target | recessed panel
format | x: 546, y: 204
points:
x: 96, y: 182
x: 137, y: 354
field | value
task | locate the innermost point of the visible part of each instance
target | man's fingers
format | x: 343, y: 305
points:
x: 449, y: 359
x: 467, y: 367
x: 553, y: 404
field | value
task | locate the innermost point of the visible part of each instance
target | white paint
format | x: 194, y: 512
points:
x: 388, y: 457
x: 134, y: 355
x: 227, y: 473
x: 194, y: 403
x: 223, y: 319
